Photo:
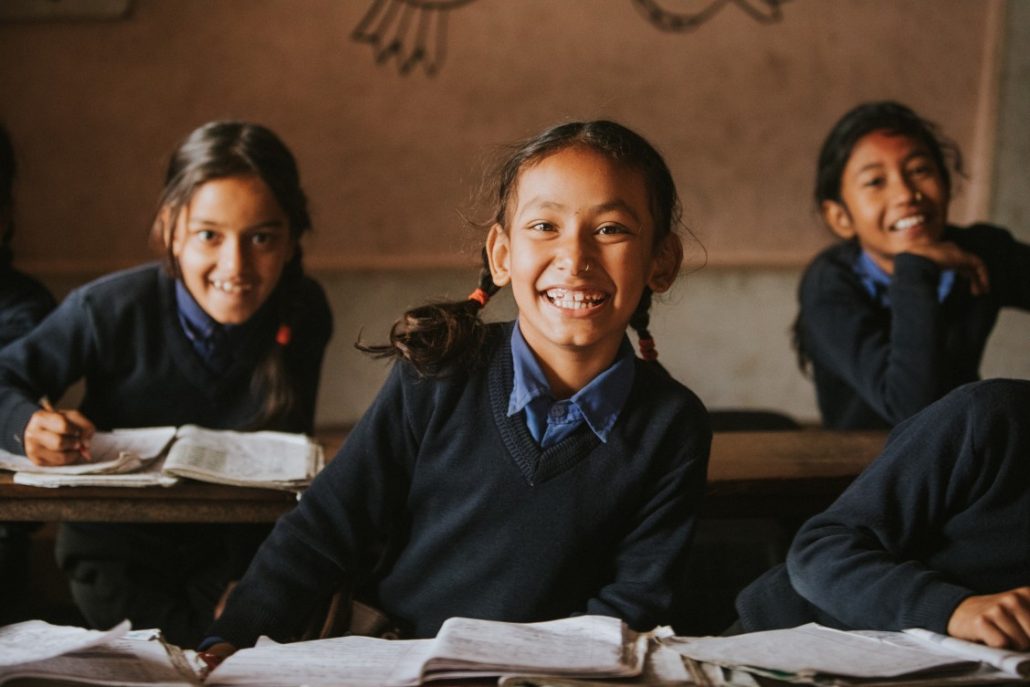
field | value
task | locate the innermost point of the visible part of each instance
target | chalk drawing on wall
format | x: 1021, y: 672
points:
x: 414, y: 32
x: 662, y: 15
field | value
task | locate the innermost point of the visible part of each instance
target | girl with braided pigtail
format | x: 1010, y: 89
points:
x: 517, y: 471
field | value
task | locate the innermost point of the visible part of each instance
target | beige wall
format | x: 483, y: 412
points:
x: 738, y: 106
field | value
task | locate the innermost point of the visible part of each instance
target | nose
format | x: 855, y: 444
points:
x: 574, y: 253
x: 232, y: 256
x: 906, y: 191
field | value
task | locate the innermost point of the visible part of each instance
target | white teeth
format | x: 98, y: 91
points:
x: 229, y: 286
x: 908, y: 222
x: 574, y: 300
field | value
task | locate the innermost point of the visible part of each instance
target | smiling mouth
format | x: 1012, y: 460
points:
x: 570, y: 299
x: 906, y: 223
x: 231, y: 287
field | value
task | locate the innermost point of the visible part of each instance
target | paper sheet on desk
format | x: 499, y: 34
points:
x: 36, y: 640
x: 119, y: 451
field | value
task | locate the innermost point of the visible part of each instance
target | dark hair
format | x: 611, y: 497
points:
x: 8, y: 171
x: 218, y: 150
x: 897, y: 120
x: 437, y: 336
x: 885, y: 115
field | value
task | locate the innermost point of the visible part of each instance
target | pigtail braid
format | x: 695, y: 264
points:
x: 437, y: 337
x: 640, y: 320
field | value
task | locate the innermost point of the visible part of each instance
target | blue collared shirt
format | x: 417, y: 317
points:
x: 876, y: 281
x: 213, y: 341
x: 549, y: 420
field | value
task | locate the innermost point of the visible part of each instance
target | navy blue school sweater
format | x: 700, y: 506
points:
x: 942, y: 514
x: 23, y: 303
x: 441, y: 505
x: 122, y: 335
x: 874, y: 366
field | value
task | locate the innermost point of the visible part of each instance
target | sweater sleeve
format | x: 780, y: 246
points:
x: 330, y: 539
x: 896, y: 368
x: 859, y: 560
x: 1008, y: 265
x: 45, y: 362
x: 650, y: 558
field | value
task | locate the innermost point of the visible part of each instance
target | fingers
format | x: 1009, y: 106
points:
x: 979, y: 279
x: 58, y: 438
x: 948, y: 256
x: 999, y: 620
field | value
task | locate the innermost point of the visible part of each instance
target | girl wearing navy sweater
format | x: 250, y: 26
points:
x: 520, y: 471
x: 228, y: 334
x: 898, y: 313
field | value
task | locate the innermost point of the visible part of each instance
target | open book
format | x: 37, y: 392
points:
x: 44, y: 653
x: 162, y: 455
x: 813, y: 654
x: 584, y: 646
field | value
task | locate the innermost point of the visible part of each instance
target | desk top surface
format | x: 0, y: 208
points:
x: 750, y: 474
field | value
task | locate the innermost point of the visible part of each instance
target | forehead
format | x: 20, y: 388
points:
x: 580, y: 176
x: 246, y: 196
x: 883, y: 147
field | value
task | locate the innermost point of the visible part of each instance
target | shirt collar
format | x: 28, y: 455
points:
x: 876, y: 280
x: 600, y: 402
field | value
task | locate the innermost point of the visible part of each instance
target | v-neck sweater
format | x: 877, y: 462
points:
x: 121, y: 335
x: 441, y: 505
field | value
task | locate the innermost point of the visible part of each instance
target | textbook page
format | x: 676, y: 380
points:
x: 813, y: 650
x: 37, y: 640
x: 118, y: 451
x: 150, y: 476
x: 583, y: 646
x: 134, y: 659
x: 354, y: 661
x: 252, y: 459
x: 1012, y: 662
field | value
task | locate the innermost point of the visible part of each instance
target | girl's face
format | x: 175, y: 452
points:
x: 578, y: 251
x: 894, y: 197
x: 231, y: 242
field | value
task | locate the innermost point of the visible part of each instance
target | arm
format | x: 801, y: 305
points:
x: 895, y: 365
x: 328, y: 540
x: 940, y: 490
x: 44, y: 363
x: 651, y: 557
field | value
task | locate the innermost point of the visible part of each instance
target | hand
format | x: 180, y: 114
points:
x: 949, y: 256
x: 213, y: 656
x: 998, y: 620
x: 58, y: 437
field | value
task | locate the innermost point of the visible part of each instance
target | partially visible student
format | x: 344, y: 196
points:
x: 520, y: 471
x: 228, y: 334
x: 24, y: 302
x: 934, y: 534
x: 899, y: 313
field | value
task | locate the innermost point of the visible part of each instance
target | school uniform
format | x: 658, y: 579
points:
x: 442, y: 503
x: 942, y: 514
x: 882, y: 348
x: 125, y: 336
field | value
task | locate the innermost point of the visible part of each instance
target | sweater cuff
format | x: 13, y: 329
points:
x: 14, y: 426
x: 932, y: 609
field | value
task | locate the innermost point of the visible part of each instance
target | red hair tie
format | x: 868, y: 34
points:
x: 284, y: 335
x: 480, y: 296
x: 647, y: 349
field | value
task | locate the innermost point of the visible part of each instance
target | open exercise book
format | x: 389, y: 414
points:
x: 813, y: 654
x: 161, y: 455
x: 586, y: 646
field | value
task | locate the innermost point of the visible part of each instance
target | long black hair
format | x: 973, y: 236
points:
x: 438, y: 336
x: 222, y: 149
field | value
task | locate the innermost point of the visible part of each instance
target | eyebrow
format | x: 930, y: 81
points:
x: 603, y: 207
x: 267, y: 224
x: 908, y: 158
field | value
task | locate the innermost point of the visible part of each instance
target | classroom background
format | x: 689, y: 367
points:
x: 393, y: 108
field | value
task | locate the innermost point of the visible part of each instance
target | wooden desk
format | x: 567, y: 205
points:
x: 751, y: 474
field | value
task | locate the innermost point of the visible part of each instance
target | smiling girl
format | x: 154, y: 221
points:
x: 520, y: 471
x: 900, y: 312
x: 228, y: 334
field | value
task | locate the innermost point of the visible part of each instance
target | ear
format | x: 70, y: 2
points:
x: 665, y: 264
x: 838, y: 218
x: 498, y: 252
